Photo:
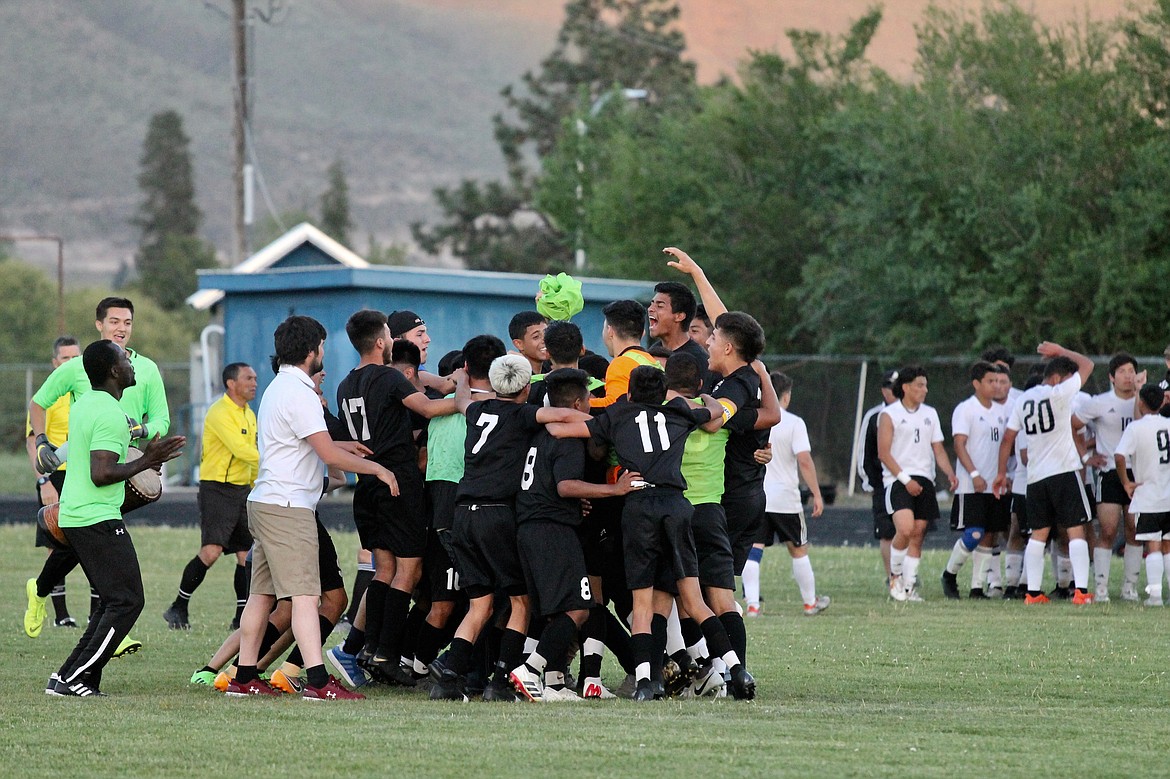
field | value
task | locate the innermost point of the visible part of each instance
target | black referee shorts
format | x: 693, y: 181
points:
x: 223, y: 515
x: 484, y: 542
x: 657, y: 540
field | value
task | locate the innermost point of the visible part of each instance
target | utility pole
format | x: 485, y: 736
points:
x: 239, y: 127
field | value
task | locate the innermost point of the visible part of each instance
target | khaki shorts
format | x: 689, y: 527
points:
x: 284, y: 555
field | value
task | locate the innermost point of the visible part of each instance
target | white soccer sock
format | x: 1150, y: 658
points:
x: 699, y: 650
x: 554, y: 679
x: 897, y: 559
x: 1013, y: 568
x: 530, y: 644
x: 1078, y: 555
x: 1101, y: 560
x: 751, y: 583
x: 910, y: 572
x: 642, y: 672
x: 1132, y: 562
x: 994, y: 579
x: 981, y: 559
x: 720, y: 665
x: 1064, y: 570
x: 674, y: 636
x: 803, y: 573
x: 959, y: 556
x: 592, y: 646
x: 1034, y: 565
x: 536, y: 662
x: 1155, y: 569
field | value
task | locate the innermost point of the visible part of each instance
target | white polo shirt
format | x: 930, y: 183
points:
x: 290, y: 470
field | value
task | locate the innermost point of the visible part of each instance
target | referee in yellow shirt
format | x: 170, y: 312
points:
x: 227, y: 471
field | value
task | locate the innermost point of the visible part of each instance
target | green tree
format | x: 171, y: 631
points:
x: 335, y: 217
x: 169, y: 251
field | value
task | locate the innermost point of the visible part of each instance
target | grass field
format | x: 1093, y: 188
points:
x: 870, y: 688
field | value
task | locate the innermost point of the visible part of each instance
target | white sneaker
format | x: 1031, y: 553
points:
x: 527, y: 683
x: 563, y: 695
x: 897, y: 590
x: 1101, y: 595
x: 1129, y: 593
x: 812, y: 609
x: 593, y: 688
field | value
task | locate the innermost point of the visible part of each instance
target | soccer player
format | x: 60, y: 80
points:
x: 548, y: 514
x: 1055, y: 498
x: 625, y: 324
x: 375, y: 400
x: 91, y: 512
x: 49, y: 486
x: 527, y: 333
x: 909, y: 445
x: 670, y: 313
x: 294, y: 447
x: 1109, y: 413
x: 565, y: 346
x: 784, y: 517
x: 869, y: 468
x: 1145, y: 448
x: 483, y: 535
x: 227, y: 471
x: 700, y: 329
x: 648, y: 436
x: 977, y: 426
x: 409, y: 326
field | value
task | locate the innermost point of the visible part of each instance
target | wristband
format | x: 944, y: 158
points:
x: 1085, y: 458
x: 903, y: 477
x: 42, y: 481
x: 974, y: 475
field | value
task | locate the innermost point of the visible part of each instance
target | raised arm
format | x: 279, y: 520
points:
x: 1048, y: 350
x: 683, y: 263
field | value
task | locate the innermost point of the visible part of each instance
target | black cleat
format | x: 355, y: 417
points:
x: 500, y: 692
x: 678, y: 673
x: 950, y: 585
x: 1060, y: 593
x: 176, y: 618
x: 977, y: 594
x: 645, y: 691
x: 449, y: 688
x: 742, y: 684
x: 391, y: 671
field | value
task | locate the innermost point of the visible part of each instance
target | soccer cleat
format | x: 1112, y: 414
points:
x: 255, y: 687
x: 1082, y: 598
x: 527, y: 683
x: 498, y: 691
x: 742, y: 684
x: 332, y: 691
x: 34, y: 615
x: 950, y: 585
x: 977, y: 594
x: 898, y: 590
x: 707, y: 682
x: 593, y: 689
x: 391, y: 671
x: 205, y: 678
x: 677, y: 674
x: 914, y: 596
x: 627, y: 687
x: 347, y: 667
x: 1035, y: 600
x: 644, y: 692
x: 1060, y: 593
x: 51, y: 687
x: 1101, y: 595
x: 560, y: 695
x: 812, y: 609
x: 128, y: 647
x: 222, y: 681
x: 1129, y: 593
x: 65, y: 622
x: 753, y: 610
x: 78, y: 689
x: 176, y: 618
x: 449, y: 687
x: 1152, y: 601
x: 995, y: 593
x: 292, y: 685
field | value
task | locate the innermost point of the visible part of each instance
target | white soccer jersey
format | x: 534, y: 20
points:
x: 1145, y: 444
x: 789, y: 437
x: 1045, y: 414
x: 914, y: 434
x: 1020, y: 474
x: 984, y: 430
x: 1109, y: 415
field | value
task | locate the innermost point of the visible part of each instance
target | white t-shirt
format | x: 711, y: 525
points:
x: 290, y: 470
x: 915, y: 432
x: 789, y: 437
x: 1020, y: 474
x: 1045, y: 414
x: 1145, y: 444
x: 984, y: 430
x: 1109, y: 415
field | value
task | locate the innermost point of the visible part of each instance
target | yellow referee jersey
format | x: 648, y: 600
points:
x: 56, y: 423
x: 230, y: 453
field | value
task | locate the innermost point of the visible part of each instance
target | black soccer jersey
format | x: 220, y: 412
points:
x: 699, y: 353
x: 369, y: 401
x: 742, y: 475
x: 498, y: 433
x: 550, y: 461
x: 649, y: 439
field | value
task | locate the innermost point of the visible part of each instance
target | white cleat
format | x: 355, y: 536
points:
x: 562, y: 695
x: 593, y: 689
x: 897, y: 590
x: 821, y: 603
x: 1101, y: 595
x: 527, y: 683
x: 1129, y: 593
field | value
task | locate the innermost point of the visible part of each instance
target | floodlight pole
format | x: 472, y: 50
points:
x: 60, y: 270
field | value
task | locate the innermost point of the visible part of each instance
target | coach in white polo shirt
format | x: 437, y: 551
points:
x: 294, y: 448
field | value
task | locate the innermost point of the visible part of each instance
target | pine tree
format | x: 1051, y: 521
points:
x: 335, y: 219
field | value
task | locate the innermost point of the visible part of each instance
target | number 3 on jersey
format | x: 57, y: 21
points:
x: 643, y: 423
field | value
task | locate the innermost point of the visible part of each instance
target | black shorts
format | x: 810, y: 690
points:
x: 1153, y: 525
x: 789, y: 527
x: 57, y: 479
x: 554, y: 567
x: 713, y: 547
x: 982, y: 510
x: 1109, y: 490
x: 441, y: 495
x: 594, y: 546
x: 440, y: 575
x: 331, y: 578
x: 744, y: 515
x: 657, y: 540
x: 223, y: 515
x: 883, y: 523
x: 483, y: 540
x: 1091, y: 496
x: 925, y: 506
x: 395, y: 524
x: 1058, y: 501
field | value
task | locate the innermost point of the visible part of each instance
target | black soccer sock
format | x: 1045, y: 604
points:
x: 692, y: 633
x: 60, y: 609
x: 317, y: 676
x: 295, y: 657
x: 193, y: 576
x: 208, y: 669
x: 354, y: 641
x: 395, y: 610
x: 592, y: 637
x: 643, y: 646
x: 375, y: 609
x: 736, y: 633
x: 511, y: 653
x: 718, y: 644
x: 658, y: 631
x: 414, y: 620
x: 459, y: 657
x: 430, y: 640
x: 361, y: 581
x: 617, y: 641
x: 554, y: 642
x: 95, y: 601
x: 271, y: 634
x: 240, y: 581
x: 246, y: 673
